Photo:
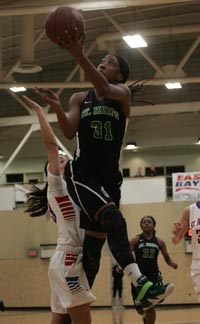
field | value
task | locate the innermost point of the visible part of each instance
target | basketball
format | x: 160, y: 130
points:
x: 61, y: 19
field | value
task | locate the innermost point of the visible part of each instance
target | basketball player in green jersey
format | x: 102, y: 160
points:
x: 99, y: 119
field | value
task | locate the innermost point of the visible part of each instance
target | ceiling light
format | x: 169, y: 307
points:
x: 173, y: 85
x: 17, y: 89
x: 131, y: 146
x: 135, y: 41
x: 98, y: 5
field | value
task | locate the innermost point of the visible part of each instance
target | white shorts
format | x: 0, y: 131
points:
x: 195, y: 275
x: 69, y: 285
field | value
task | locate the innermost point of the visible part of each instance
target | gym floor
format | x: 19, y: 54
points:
x: 166, y: 315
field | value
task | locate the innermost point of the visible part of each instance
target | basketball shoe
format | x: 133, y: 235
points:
x: 2, y: 307
x: 150, y: 295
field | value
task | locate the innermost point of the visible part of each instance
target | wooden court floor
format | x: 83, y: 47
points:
x: 173, y: 315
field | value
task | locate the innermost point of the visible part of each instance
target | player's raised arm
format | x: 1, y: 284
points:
x: 48, y: 136
x: 104, y: 79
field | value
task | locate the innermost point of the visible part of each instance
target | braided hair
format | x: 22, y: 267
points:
x: 136, y: 89
x: 36, y: 199
x: 123, y: 66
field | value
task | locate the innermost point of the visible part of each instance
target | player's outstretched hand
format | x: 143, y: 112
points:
x: 174, y: 265
x: 176, y: 228
x: 74, y: 45
x: 48, y: 96
x: 32, y: 103
x: 176, y: 232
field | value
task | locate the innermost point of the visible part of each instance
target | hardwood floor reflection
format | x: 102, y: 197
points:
x: 170, y: 315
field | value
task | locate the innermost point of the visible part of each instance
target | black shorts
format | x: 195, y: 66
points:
x: 91, y: 193
x: 117, y: 289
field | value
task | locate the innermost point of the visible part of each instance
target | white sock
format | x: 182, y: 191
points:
x: 133, y: 273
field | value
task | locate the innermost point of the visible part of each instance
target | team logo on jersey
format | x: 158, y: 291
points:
x: 107, y: 111
x: 85, y: 113
x: 66, y: 208
x: 70, y: 258
x: 74, y: 285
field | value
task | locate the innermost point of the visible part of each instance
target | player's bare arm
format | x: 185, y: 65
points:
x: 180, y: 228
x: 48, y: 137
x: 163, y: 249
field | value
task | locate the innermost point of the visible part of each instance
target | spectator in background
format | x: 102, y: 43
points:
x: 151, y: 171
x: 117, y: 287
x: 139, y: 172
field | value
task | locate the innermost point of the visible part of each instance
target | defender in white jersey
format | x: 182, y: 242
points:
x: 70, y: 292
x: 191, y: 220
x: 69, y: 286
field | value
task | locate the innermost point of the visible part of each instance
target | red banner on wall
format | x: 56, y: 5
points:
x: 186, y: 186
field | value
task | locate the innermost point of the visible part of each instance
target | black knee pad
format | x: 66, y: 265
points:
x: 111, y: 218
x: 115, y: 225
x: 92, y: 247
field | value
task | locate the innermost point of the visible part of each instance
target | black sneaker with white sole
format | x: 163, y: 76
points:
x: 142, y: 288
x: 156, y: 294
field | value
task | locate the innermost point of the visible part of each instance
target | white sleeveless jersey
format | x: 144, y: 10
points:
x: 64, y: 212
x: 194, y: 223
